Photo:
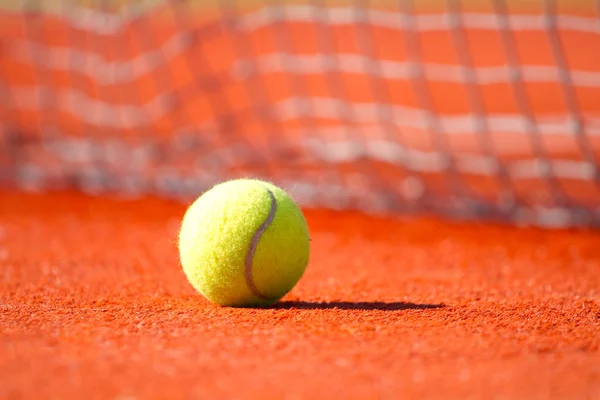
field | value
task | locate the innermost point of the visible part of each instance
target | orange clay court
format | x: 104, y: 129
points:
x: 94, y: 305
x: 454, y: 291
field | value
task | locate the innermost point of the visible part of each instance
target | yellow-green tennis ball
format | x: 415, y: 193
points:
x: 244, y: 242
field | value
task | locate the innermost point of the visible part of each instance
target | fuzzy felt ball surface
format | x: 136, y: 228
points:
x: 243, y: 243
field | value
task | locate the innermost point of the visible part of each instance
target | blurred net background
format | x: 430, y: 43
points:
x: 488, y: 110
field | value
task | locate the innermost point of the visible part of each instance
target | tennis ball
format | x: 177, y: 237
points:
x: 244, y: 243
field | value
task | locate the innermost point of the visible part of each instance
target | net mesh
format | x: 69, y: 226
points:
x: 472, y: 109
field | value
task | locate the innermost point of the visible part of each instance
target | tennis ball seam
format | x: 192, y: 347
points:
x: 254, y: 244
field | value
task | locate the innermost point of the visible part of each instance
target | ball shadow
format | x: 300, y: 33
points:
x: 350, y: 305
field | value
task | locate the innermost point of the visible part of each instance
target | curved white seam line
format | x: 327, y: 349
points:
x: 254, y: 244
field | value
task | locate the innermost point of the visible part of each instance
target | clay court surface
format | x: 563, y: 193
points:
x: 94, y: 305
